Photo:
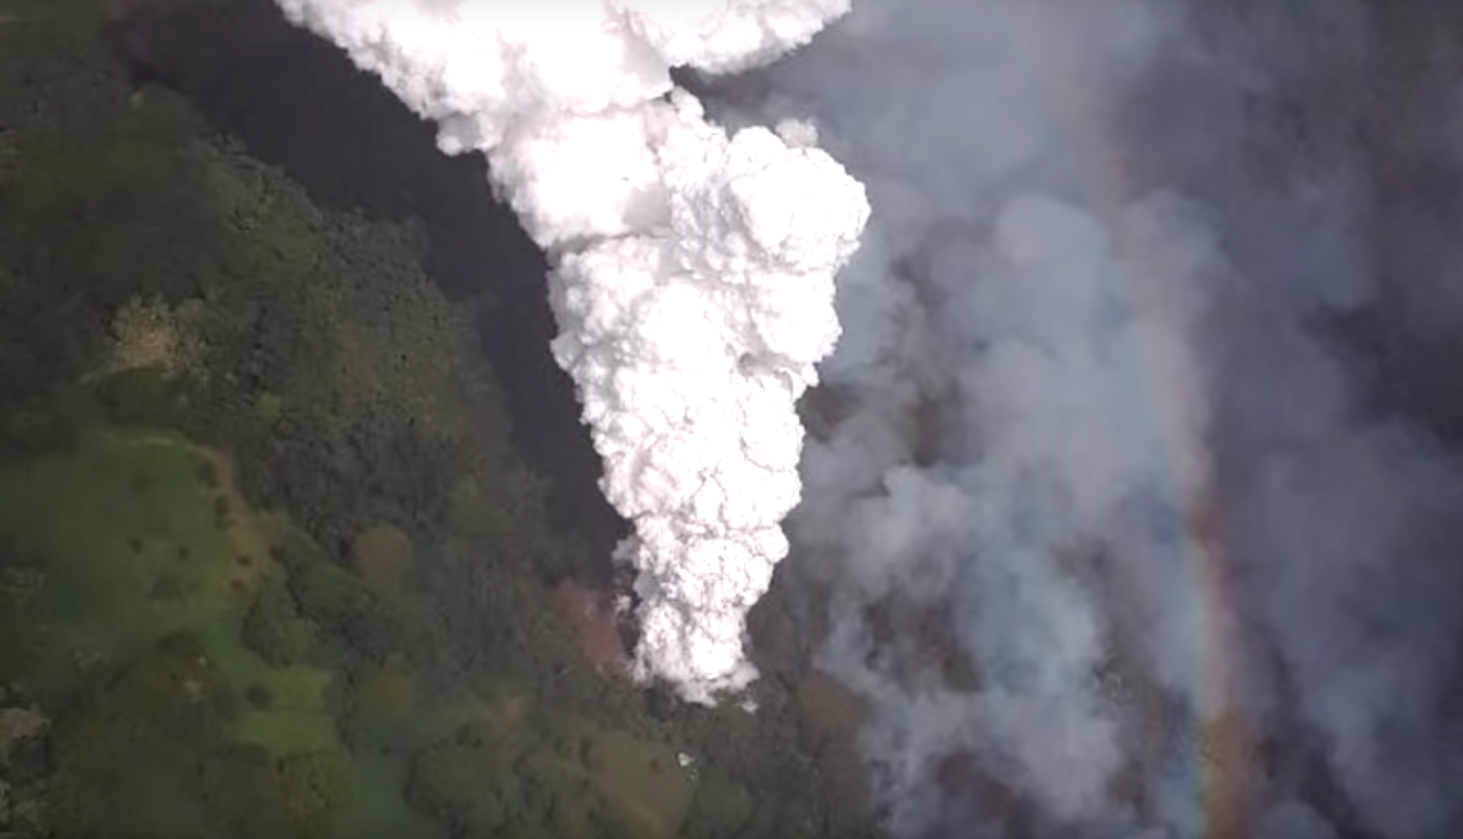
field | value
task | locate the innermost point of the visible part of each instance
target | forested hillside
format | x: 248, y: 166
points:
x: 270, y: 565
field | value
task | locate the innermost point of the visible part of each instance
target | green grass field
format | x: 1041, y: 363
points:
x: 125, y: 536
x: 136, y: 537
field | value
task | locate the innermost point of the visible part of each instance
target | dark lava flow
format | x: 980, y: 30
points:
x: 298, y: 103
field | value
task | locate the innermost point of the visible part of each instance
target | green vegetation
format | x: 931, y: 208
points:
x: 258, y: 796
x: 274, y: 630
x: 123, y: 755
x: 146, y: 559
x: 268, y: 564
x: 582, y: 781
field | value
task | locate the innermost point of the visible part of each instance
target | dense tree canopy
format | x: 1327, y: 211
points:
x: 331, y: 558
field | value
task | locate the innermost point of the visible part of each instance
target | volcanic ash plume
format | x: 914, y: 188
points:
x: 693, y: 281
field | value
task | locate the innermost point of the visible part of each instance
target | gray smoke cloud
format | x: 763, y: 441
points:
x: 1130, y: 489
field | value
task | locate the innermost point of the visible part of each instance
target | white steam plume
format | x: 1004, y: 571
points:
x: 694, y: 271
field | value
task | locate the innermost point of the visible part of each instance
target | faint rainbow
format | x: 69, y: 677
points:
x: 1214, y: 772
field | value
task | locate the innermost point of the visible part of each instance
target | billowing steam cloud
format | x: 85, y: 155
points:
x: 694, y: 271
x: 1119, y: 539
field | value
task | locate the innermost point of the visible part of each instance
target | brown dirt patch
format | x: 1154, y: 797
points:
x: 592, y: 613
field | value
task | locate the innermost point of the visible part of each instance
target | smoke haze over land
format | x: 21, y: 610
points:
x: 1133, y: 497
